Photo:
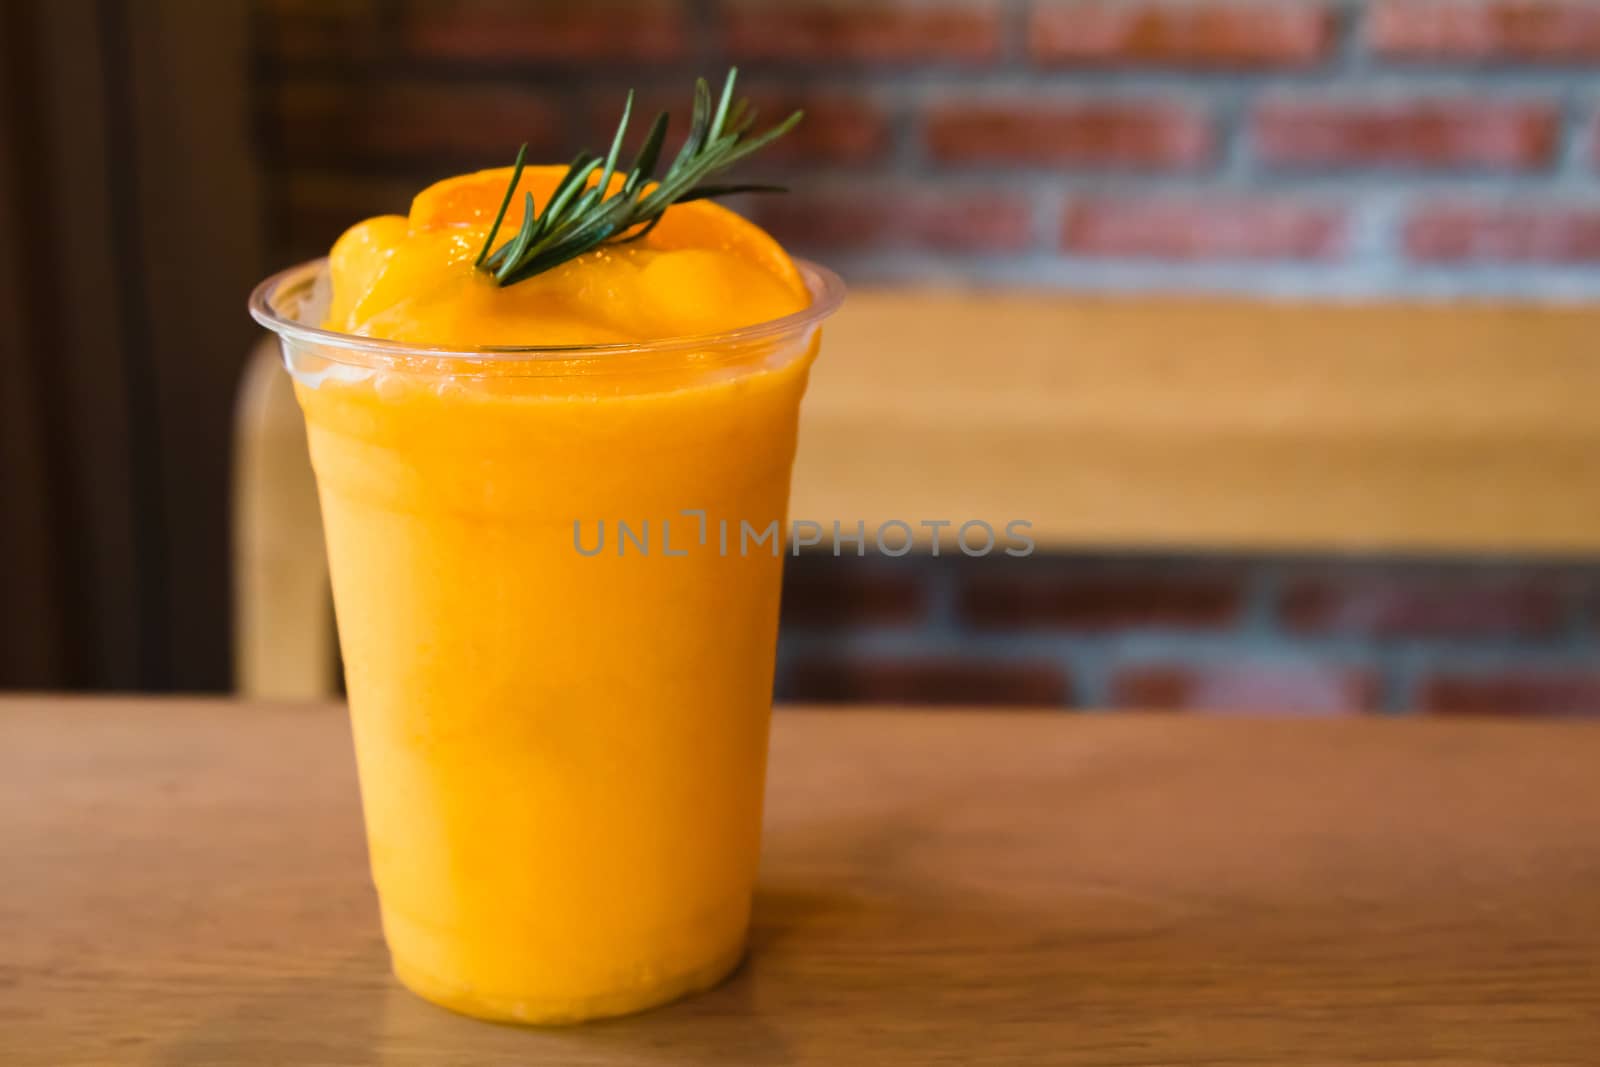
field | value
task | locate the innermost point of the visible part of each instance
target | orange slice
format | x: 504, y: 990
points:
x: 472, y: 199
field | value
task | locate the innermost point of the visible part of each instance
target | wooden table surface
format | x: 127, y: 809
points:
x: 184, y: 883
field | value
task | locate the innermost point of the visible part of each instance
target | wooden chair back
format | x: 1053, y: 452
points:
x: 1145, y: 422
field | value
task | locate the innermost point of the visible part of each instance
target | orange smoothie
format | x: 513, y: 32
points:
x: 561, y: 747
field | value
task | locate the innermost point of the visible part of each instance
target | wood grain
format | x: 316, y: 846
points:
x: 1208, y: 421
x: 185, y: 884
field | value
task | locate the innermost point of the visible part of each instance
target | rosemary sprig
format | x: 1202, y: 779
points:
x: 579, y: 217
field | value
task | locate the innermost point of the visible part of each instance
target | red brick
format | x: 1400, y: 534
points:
x: 1506, y: 135
x: 1405, y: 606
x: 909, y: 218
x: 1138, y: 134
x: 1295, y: 689
x: 1523, y: 691
x: 1033, y: 596
x: 294, y: 30
x: 1557, y: 31
x: 481, y: 124
x: 966, y: 31
x: 1187, y: 34
x: 946, y: 680
x: 1195, y: 229
x: 1461, y: 232
x: 651, y: 30
x: 830, y: 592
x: 837, y: 129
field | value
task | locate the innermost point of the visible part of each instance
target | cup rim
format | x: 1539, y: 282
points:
x: 827, y: 291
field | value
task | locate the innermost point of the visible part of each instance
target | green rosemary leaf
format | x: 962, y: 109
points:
x: 761, y: 140
x: 699, y: 123
x: 616, y: 144
x: 645, y: 164
x: 520, y: 242
x: 740, y: 118
x: 505, y: 201
x: 584, y: 205
x: 580, y: 217
x: 570, y: 184
x: 643, y: 232
x: 707, y: 192
x: 722, y: 104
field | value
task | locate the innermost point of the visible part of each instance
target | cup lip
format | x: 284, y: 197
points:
x: 827, y: 291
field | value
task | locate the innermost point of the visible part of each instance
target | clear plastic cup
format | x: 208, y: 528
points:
x: 558, y: 620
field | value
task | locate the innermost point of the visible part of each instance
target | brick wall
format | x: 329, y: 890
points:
x: 1295, y: 636
x: 1436, y: 146
x: 1304, y: 146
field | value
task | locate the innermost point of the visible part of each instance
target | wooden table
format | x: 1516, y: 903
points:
x: 184, y: 883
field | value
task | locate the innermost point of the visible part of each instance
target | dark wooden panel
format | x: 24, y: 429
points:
x: 131, y: 239
x: 197, y: 251
x: 70, y: 332
x: 32, y: 645
x: 107, y: 528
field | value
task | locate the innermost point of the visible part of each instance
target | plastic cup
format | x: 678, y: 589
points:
x: 558, y: 621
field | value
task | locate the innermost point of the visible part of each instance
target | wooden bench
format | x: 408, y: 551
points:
x: 1143, y: 422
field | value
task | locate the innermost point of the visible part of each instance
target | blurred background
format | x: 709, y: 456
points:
x: 158, y: 157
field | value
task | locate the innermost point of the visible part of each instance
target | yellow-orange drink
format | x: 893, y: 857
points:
x: 560, y: 725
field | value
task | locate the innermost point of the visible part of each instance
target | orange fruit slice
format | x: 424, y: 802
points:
x: 472, y: 200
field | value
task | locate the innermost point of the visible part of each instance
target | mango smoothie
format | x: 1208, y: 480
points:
x: 561, y: 746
